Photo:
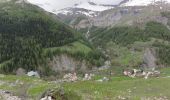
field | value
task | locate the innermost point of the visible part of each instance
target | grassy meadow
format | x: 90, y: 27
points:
x: 117, y: 88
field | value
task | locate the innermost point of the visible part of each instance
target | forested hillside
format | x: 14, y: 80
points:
x: 25, y: 32
x: 126, y: 45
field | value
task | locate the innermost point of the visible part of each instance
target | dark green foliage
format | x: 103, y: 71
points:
x: 163, y: 53
x: 22, y: 53
x: 126, y: 36
x: 167, y: 15
x: 29, y: 55
x: 157, y: 30
x: 25, y: 30
x: 120, y: 35
x: 94, y: 57
x: 28, y: 21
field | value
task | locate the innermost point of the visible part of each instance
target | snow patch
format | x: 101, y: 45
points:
x: 97, y: 7
x: 70, y: 11
x: 143, y: 2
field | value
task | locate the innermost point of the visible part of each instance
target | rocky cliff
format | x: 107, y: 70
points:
x: 65, y: 63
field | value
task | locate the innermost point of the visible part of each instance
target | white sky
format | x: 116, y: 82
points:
x: 60, y: 4
x: 55, y: 5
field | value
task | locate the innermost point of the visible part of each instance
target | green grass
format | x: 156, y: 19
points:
x: 123, y: 56
x: 132, y: 89
x: 4, y: 63
x: 118, y: 87
x: 121, y: 86
x: 32, y: 87
x: 165, y: 72
x: 38, y: 88
x: 79, y: 50
x: 71, y: 48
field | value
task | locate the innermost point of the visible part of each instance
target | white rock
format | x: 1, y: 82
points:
x: 33, y: 73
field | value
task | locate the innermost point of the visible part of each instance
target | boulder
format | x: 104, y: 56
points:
x: 88, y: 76
x: 20, y: 72
x: 46, y: 98
x: 104, y: 79
x: 33, y: 74
x: 70, y: 77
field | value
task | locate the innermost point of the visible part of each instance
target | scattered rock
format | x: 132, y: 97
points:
x: 104, y: 79
x: 127, y: 72
x: 20, y: 72
x: 104, y: 67
x: 140, y: 73
x: 121, y: 98
x: 46, y: 98
x: 6, y: 95
x: 152, y: 74
x: 33, y: 74
x: 70, y: 77
x: 155, y: 98
x: 88, y: 76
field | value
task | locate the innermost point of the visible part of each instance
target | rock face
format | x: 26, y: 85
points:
x: 65, y: 63
x: 121, y: 16
x: 149, y: 60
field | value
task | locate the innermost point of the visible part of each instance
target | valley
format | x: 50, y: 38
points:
x: 85, y: 50
x: 117, y: 88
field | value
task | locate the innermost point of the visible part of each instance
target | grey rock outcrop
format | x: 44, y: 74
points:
x: 149, y: 59
x: 65, y: 63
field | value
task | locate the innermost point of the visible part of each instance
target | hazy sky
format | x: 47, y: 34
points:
x: 60, y: 4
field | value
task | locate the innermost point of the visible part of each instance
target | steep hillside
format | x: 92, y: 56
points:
x: 128, y: 34
x: 26, y: 31
x: 134, y: 47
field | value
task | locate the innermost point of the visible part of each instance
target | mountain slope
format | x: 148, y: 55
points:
x: 104, y: 13
x: 55, y: 6
x: 26, y: 31
x: 94, y: 5
x: 134, y: 46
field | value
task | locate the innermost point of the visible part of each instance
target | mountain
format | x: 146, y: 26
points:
x: 32, y: 39
x: 94, y: 5
x: 99, y: 26
x: 86, y: 13
x: 133, y: 46
x: 82, y: 53
x: 55, y: 6
x: 89, y: 8
x: 144, y: 2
